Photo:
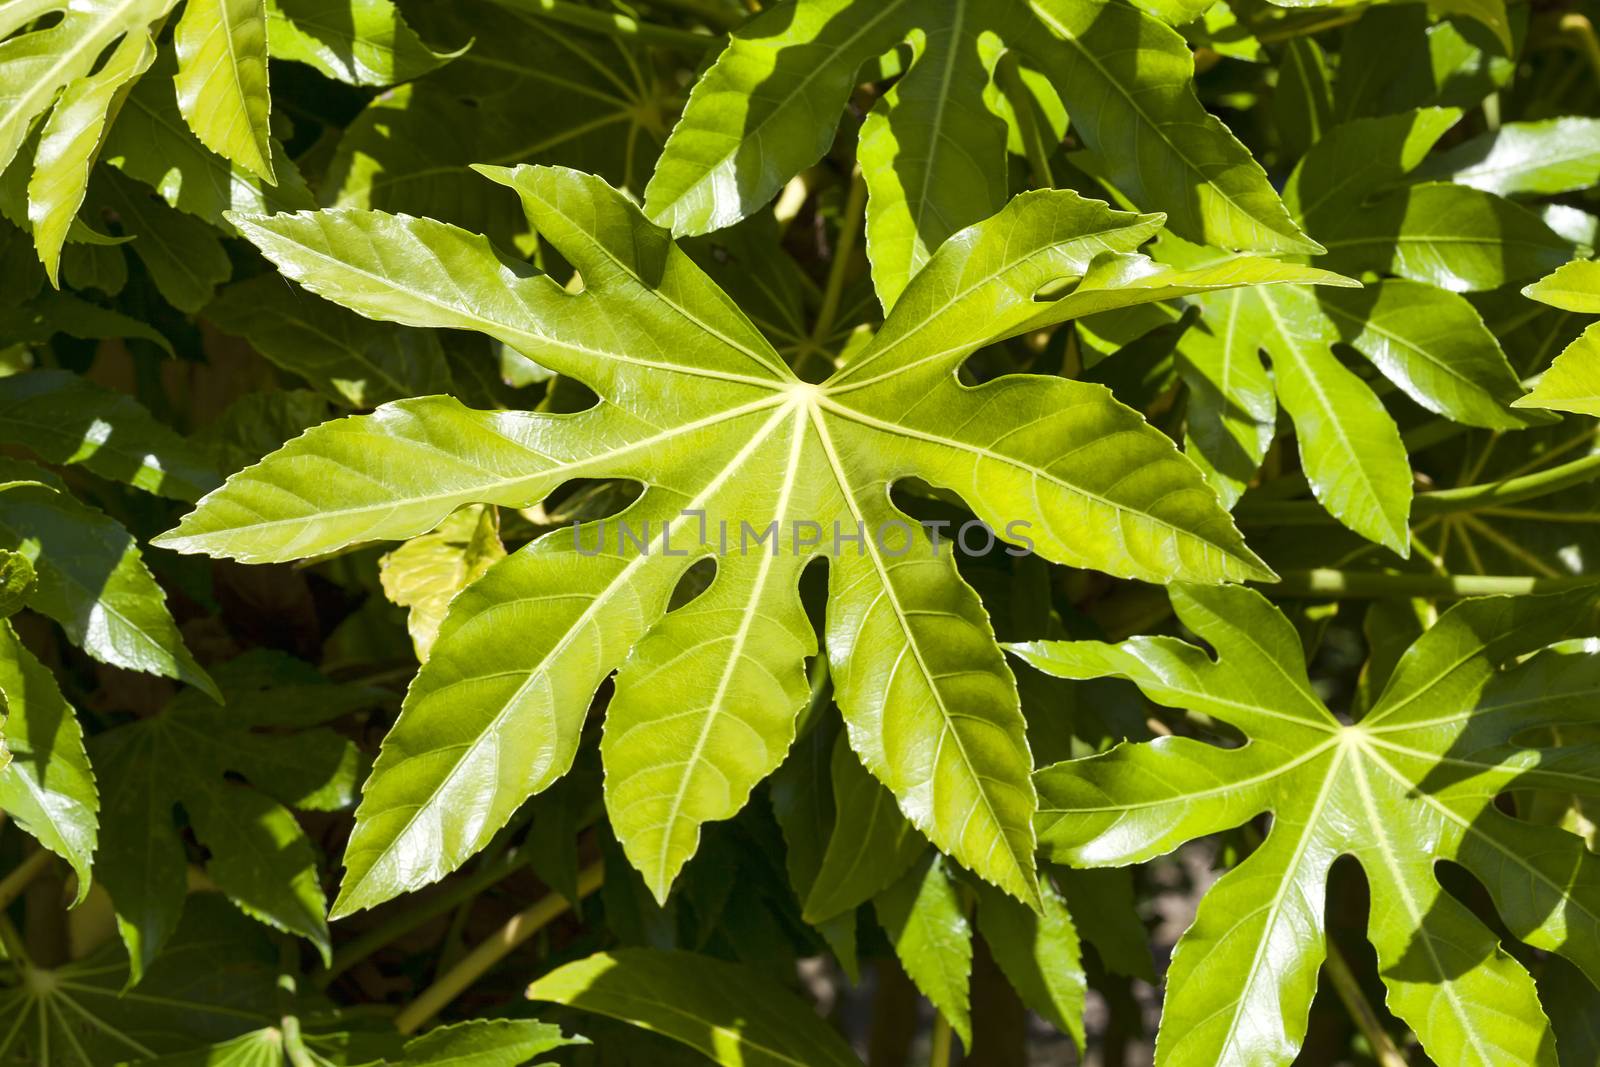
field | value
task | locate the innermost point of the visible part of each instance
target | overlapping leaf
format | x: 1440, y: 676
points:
x: 1572, y: 383
x: 54, y: 72
x: 696, y: 405
x: 362, y: 42
x: 184, y: 757
x: 1425, y: 338
x: 1412, y: 782
x: 933, y: 148
x: 529, y: 90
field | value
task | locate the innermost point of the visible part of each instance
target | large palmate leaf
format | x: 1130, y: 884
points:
x: 696, y: 405
x: 734, y: 1016
x: 215, y: 980
x: 933, y: 149
x: 1411, y: 783
x: 184, y: 757
x: 1572, y: 383
x: 1427, y: 340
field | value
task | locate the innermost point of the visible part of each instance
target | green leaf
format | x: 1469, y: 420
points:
x: 16, y: 582
x: 803, y: 803
x: 190, y: 756
x: 1038, y: 953
x: 734, y: 1016
x: 485, y: 1043
x: 697, y: 405
x: 1232, y: 412
x: 48, y: 787
x: 1350, y: 448
x: 214, y: 982
x: 222, y: 80
x: 530, y: 90
x: 354, y: 361
x: 54, y: 73
x: 66, y: 419
x: 926, y: 921
x: 93, y: 581
x: 258, y: 423
x: 360, y: 42
x: 932, y: 148
x: 1302, y: 101
x: 1572, y: 382
x: 865, y: 852
x: 48, y: 314
x: 152, y: 143
x: 1574, y: 286
x: 1452, y: 236
x: 426, y: 572
x: 1432, y: 344
x: 184, y: 256
x: 1410, y: 784
x: 1356, y: 160
x: 69, y: 143
x: 1524, y: 158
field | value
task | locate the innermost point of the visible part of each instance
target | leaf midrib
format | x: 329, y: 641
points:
x: 479, y: 489
x: 496, y: 328
x: 1292, y: 340
x: 736, y: 651
x: 846, y: 488
x: 602, y: 598
x: 898, y: 429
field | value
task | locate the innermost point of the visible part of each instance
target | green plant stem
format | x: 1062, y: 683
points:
x: 849, y: 227
x: 1009, y: 76
x: 943, y: 1040
x: 708, y: 11
x: 1438, y: 502
x: 476, y: 963
x: 418, y: 915
x: 613, y: 25
x: 1337, y: 584
x: 12, y: 885
x: 1361, y: 1013
x: 11, y: 941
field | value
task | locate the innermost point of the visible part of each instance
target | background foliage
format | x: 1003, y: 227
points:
x: 339, y: 727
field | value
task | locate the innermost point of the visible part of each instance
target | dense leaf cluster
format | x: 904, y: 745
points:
x: 584, y: 532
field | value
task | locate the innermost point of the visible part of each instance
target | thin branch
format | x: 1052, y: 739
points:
x: 1440, y: 502
x: 476, y: 963
x: 12, y: 885
x: 849, y: 228
x: 1009, y: 76
x: 418, y: 914
x: 1361, y: 1012
x: 1337, y: 584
